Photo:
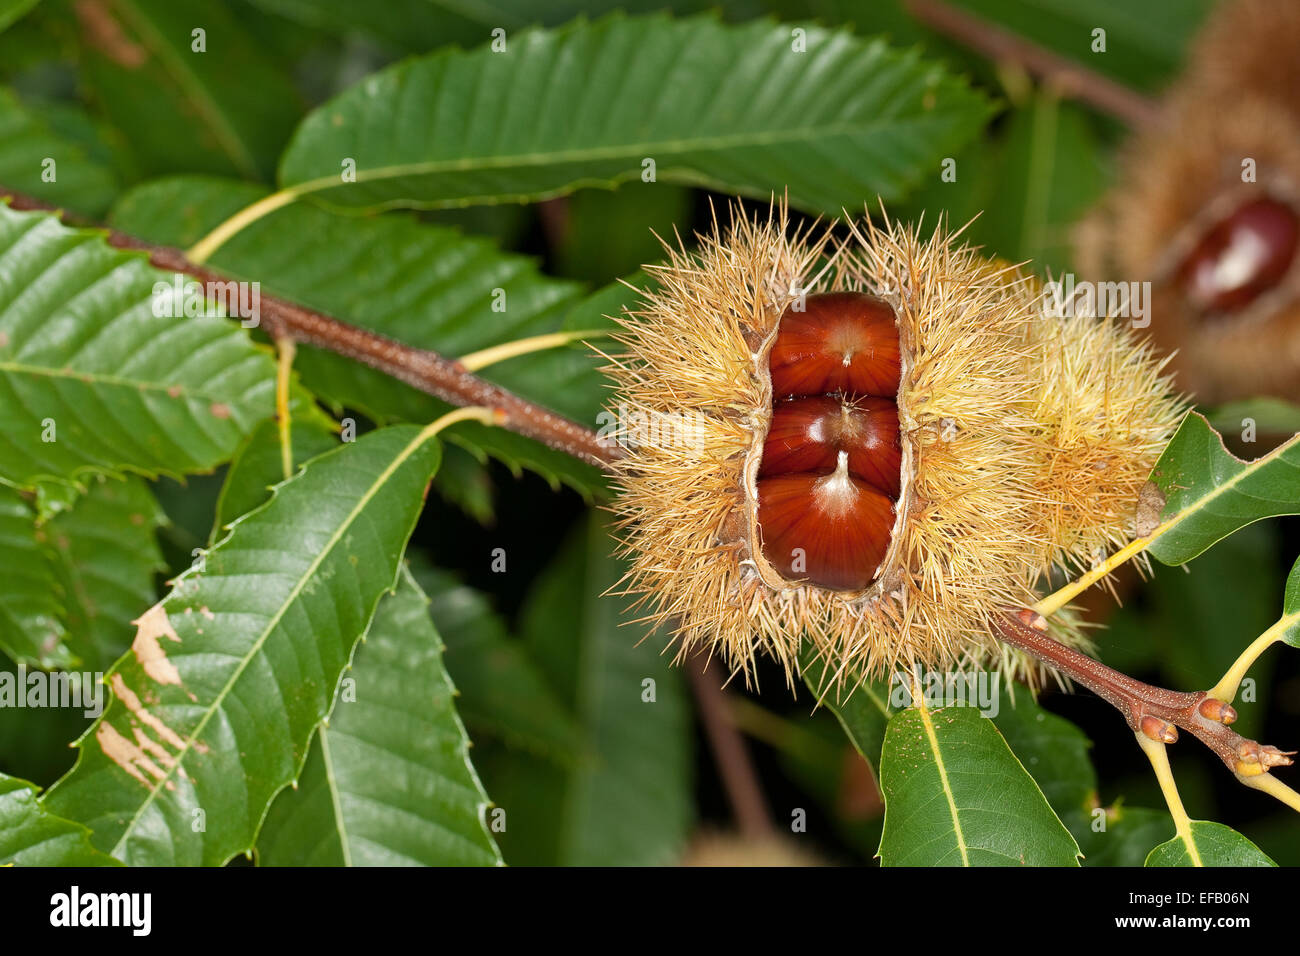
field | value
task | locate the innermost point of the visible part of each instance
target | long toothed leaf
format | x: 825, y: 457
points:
x: 388, y: 781
x: 229, y: 676
x: 91, y: 380
x: 756, y: 108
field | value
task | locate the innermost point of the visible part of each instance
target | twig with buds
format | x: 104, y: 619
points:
x: 1154, y: 712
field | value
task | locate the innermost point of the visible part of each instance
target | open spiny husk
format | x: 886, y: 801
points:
x: 988, y: 500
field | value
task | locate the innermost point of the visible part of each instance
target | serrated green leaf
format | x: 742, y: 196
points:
x: 502, y: 692
x: 257, y: 466
x: 1208, y: 844
x: 92, y: 381
x: 388, y: 781
x: 32, y: 836
x: 31, y: 152
x: 955, y: 795
x: 232, y: 672
x: 31, y: 618
x: 1210, y: 493
x: 755, y: 109
x: 105, y: 555
x: 223, y: 109
x: 427, y: 286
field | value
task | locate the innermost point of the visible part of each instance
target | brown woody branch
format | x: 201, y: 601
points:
x: 428, y: 371
x: 1066, y: 77
x: 1153, y: 711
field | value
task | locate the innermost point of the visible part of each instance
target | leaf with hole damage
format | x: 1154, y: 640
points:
x: 230, y: 675
x: 955, y: 795
x: 758, y: 108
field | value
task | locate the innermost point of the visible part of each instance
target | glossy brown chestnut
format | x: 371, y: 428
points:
x: 831, y: 467
x: 844, y: 342
x: 1241, y: 256
x: 807, y: 434
x: 832, y: 530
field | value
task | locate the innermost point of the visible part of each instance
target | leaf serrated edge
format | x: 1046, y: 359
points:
x: 321, y: 186
x: 424, y: 435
